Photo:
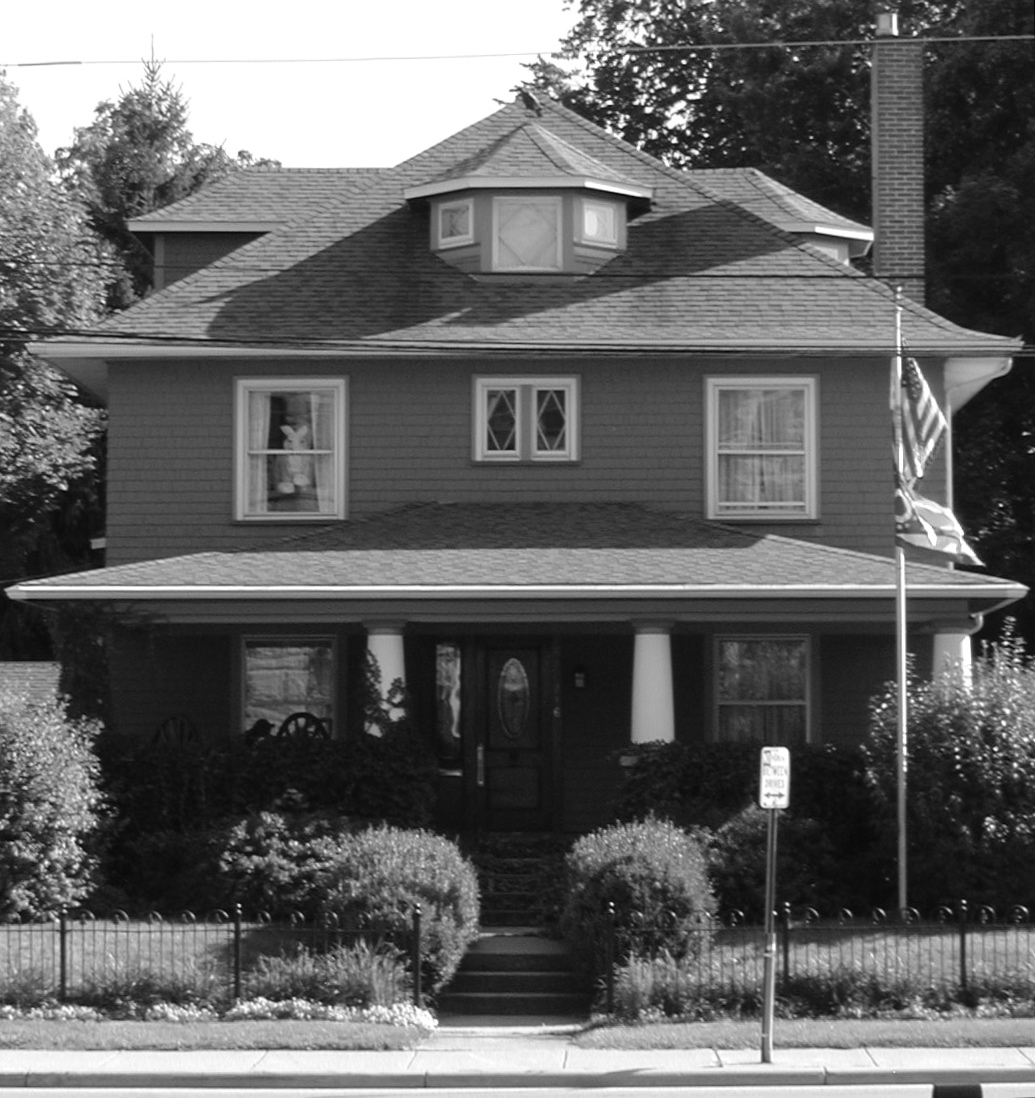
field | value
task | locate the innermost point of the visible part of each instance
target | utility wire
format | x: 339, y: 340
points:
x: 552, y: 53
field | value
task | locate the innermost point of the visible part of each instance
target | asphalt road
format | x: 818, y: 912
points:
x: 914, y: 1090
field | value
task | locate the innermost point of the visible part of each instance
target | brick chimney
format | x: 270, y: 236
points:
x: 897, y: 156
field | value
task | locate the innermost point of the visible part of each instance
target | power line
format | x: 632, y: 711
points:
x: 551, y: 53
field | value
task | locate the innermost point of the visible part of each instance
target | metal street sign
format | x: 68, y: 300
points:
x: 774, y: 778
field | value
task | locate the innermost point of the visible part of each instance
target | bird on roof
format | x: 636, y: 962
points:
x: 529, y: 99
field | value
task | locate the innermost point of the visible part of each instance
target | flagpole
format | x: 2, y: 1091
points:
x: 901, y: 633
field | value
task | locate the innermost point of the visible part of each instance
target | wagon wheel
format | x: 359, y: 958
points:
x: 303, y: 725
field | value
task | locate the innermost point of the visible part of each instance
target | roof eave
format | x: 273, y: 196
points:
x: 540, y: 183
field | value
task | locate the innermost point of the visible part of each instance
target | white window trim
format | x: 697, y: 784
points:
x: 243, y: 386
x: 580, y: 224
x: 717, y: 702
x: 527, y: 387
x: 551, y: 200
x: 455, y: 241
x: 286, y: 641
x: 810, y: 509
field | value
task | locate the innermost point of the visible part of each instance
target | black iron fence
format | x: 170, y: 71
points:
x: 215, y: 957
x: 958, y: 948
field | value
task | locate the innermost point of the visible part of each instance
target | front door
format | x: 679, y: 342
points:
x: 514, y: 772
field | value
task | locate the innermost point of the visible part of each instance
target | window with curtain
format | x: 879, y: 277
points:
x: 526, y: 419
x: 282, y: 677
x: 762, y: 690
x: 290, y: 449
x: 762, y: 449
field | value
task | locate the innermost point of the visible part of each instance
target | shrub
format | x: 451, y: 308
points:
x: 653, y: 872
x: 49, y: 805
x: 378, y: 875
x: 355, y: 975
x: 971, y: 798
x: 172, y: 805
x: 710, y: 785
x: 805, y: 866
x: 271, y: 861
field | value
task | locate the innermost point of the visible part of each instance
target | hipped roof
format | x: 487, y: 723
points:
x: 579, y: 551
x: 355, y: 275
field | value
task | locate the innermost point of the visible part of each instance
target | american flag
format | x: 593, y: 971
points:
x: 923, y: 425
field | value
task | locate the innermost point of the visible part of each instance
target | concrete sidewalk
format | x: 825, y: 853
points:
x: 514, y: 1056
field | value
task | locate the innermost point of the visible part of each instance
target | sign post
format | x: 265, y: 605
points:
x: 774, y: 793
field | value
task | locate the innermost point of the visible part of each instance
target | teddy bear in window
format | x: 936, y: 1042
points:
x: 294, y: 470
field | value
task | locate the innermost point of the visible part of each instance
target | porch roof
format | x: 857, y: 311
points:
x: 464, y: 551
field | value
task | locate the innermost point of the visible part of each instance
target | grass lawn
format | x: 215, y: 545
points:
x: 280, y: 1034
x: 818, y: 1033
x: 822, y: 1033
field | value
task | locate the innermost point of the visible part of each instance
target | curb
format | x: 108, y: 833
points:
x: 945, y: 1082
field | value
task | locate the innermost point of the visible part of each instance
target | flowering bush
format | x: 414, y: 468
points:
x: 397, y: 1014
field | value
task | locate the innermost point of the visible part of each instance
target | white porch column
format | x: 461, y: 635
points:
x: 952, y: 652
x: 653, y: 706
x: 385, y: 644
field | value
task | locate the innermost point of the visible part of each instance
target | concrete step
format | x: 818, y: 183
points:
x: 545, y: 982
x: 517, y: 1003
x: 515, y: 971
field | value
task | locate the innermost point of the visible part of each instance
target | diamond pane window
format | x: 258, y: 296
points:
x: 501, y: 421
x: 526, y: 419
x: 528, y: 234
x: 551, y: 421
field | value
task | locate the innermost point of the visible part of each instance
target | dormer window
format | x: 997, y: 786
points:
x: 456, y: 223
x: 526, y: 234
x: 530, y: 203
x: 598, y: 222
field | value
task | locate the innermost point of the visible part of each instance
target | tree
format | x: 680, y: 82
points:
x: 137, y: 156
x: 51, y: 281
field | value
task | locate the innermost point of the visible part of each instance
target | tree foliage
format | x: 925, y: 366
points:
x: 50, y: 281
x: 971, y: 780
x: 49, y: 805
x: 138, y: 155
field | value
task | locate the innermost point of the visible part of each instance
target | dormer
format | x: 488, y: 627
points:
x: 530, y: 203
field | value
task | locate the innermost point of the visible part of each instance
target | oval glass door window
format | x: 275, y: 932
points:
x: 513, y: 698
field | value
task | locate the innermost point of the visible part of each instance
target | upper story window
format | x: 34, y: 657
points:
x: 456, y: 223
x: 527, y: 233
x: 290, y: 448
x: 526, y: 419
x: 762, y: 448
x: 762, y: 690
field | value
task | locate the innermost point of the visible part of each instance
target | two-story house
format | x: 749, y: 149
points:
x: 583, y: 449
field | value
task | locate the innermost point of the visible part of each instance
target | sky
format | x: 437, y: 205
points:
x: 339, y: 83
